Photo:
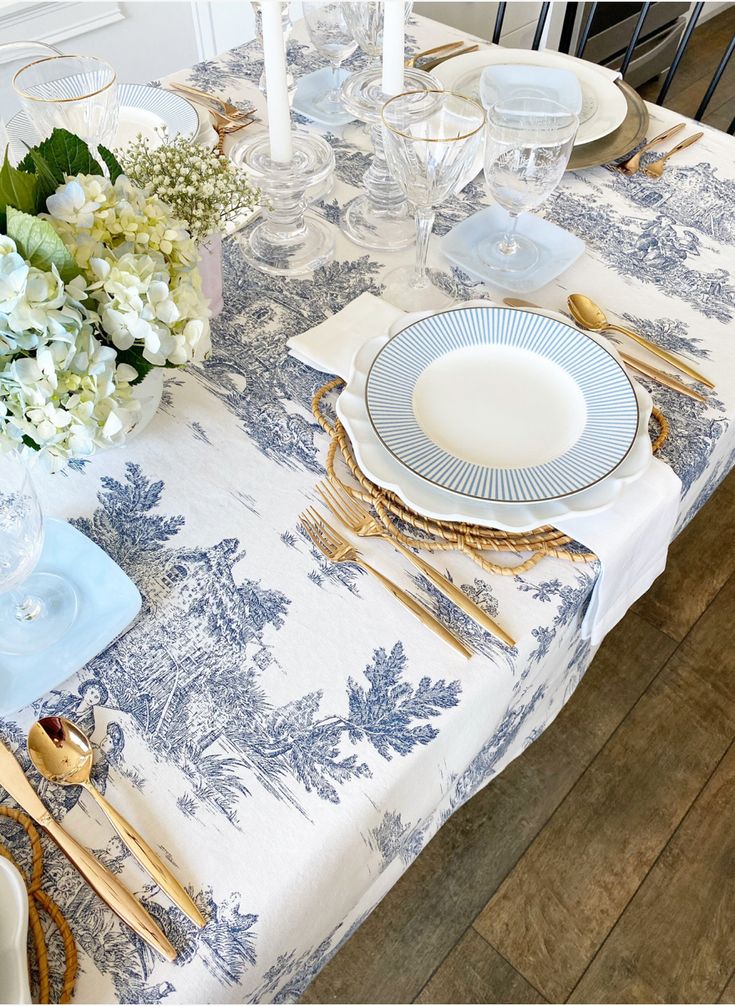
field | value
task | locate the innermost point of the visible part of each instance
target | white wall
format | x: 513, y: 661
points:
x: 143, y: 39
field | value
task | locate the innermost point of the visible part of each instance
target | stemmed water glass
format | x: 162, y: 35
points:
x: 332, y: 37
x: 77, y: 93
x: 36, y: 609
x: 529, y: 142
x: 366, y: 18
x: 431, y: 139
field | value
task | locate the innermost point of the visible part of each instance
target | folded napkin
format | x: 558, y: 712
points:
x: 500, y: 83
x: 631, y: 538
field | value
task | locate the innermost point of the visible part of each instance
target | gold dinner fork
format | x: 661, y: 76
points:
x: 355, y: 517
x: 337, y: 549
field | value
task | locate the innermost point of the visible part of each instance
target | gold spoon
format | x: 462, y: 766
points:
x: 588, y: 315
x: 62, y: 753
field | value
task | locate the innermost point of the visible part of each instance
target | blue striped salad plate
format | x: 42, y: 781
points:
x: 501, y: 405
x: 144, y: 110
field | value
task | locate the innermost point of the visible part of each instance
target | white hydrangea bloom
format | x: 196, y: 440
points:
x: 62, y: 391
x: 139, y: 266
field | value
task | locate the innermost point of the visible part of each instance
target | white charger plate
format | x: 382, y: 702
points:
x: 603, y: 103
x: 14, y: 986
x: 433, y: 501
x: 143, y: 109
x: 502, y: 405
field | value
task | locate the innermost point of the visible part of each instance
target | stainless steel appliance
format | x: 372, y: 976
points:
x: 611, y: 31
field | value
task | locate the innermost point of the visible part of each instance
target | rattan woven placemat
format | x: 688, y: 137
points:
x: 39, y: 899
x: 417, y: 531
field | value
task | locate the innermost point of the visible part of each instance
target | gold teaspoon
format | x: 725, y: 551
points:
x: 588, y: 315
x: 62, y: 753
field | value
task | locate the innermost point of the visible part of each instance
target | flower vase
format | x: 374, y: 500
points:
x: 148, y: 393
x: 210, y: 270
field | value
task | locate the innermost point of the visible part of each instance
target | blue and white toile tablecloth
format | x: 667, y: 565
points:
x: 284, y: 732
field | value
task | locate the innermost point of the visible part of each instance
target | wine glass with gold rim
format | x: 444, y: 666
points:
x: 431, y: 140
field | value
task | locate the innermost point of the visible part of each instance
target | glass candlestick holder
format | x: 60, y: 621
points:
x: 288, y: 240
x: 380, y: 217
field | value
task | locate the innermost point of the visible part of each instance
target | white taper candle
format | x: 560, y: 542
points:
x: 274, y: 55
x: 393, y: 46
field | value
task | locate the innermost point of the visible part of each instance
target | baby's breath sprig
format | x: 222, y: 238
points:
x: 204, y: 188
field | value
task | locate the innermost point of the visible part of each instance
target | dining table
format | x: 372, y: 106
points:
x: 275, y: 725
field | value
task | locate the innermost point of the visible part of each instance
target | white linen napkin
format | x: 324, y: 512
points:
x: 631, y: 538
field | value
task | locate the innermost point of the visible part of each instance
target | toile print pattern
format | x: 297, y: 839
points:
x: 276, y: 728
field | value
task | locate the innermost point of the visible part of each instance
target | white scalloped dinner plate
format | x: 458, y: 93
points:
x: 433, y: 501
x: 13, y: 932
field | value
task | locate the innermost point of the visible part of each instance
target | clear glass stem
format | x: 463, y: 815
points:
x: 28, y: 607
x: 508, y: 244
x: 424, y: 227
x: 333, y: 96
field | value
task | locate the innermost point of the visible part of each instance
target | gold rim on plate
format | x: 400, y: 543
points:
x: 618, y: 143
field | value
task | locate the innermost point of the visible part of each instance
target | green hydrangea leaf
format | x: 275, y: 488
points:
x: 17, y: 188
x: 63, y: 154
x: 40, y: 245
x: 113, y: 165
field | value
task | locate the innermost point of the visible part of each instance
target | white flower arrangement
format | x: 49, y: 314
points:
x: 204, y: 189
x: 98, y: 284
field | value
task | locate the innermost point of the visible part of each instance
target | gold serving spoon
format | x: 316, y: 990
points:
x: 588, y: 315
x: 62, y: 753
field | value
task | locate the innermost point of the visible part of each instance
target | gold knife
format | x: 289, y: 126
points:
x: 631, y: 361
x: 99, y: 878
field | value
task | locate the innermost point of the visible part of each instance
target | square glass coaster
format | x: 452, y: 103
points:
x: 314, y: 86
x: 558, y: 249
x: 107, y: 603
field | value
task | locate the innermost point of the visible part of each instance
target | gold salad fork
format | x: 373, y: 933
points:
x: 337, y: 549
x: 358, y: 520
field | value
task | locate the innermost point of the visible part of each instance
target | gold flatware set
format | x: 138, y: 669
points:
x: 656, y: 168
x: 360, y: 521
x: 62, y: 753
x: 337, y: 549
x: 590, y: 317
x: 429, y: 59
x: 226, y: 117
x: 99, y: 878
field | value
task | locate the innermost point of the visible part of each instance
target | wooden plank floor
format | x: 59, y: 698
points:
x: 600, y: 866
x: 706, y: 47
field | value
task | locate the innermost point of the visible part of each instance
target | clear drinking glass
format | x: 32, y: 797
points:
x: 431, y: 139
x: 528, y: 145
x: 78, y: 93
x: 332, y: 37
x: 36, y: 609
x: 365, y: 18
